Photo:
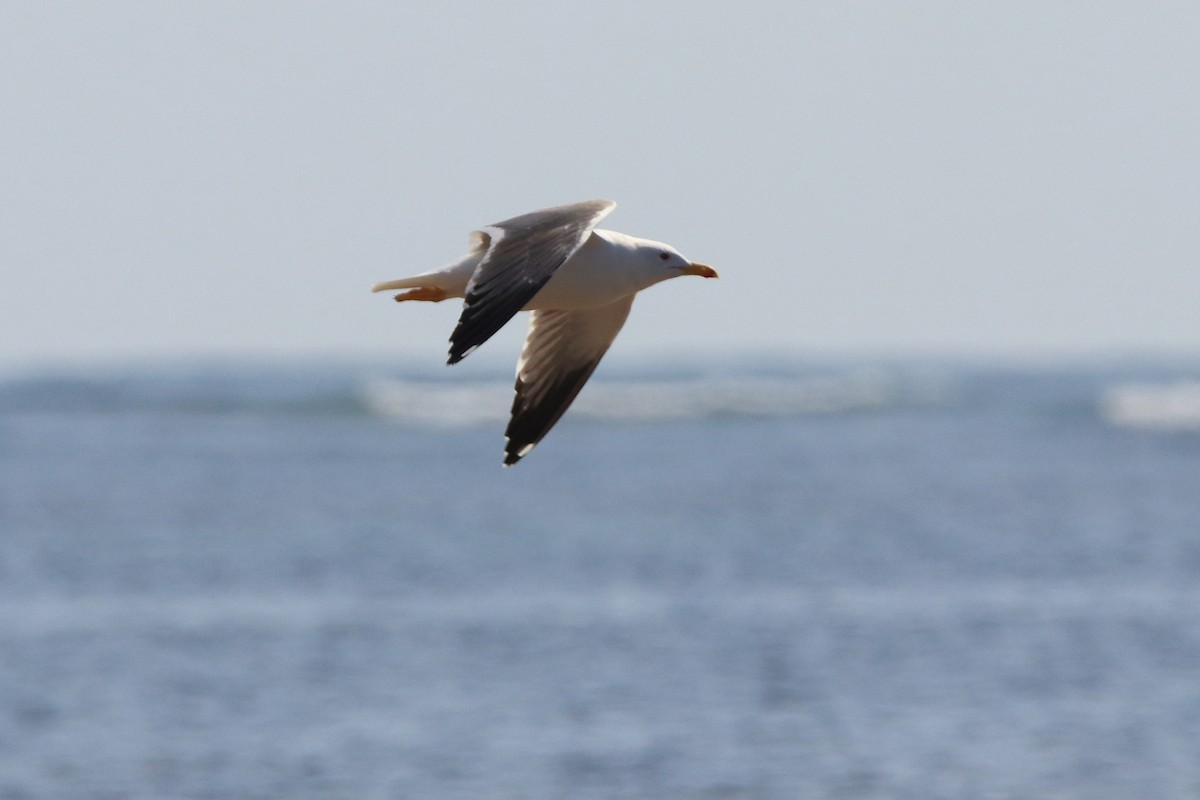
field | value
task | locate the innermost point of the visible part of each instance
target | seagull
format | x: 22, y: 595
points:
x: 576, y: 279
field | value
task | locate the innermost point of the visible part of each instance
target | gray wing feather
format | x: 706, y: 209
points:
x: 523, y: 253
x: 560, y: 354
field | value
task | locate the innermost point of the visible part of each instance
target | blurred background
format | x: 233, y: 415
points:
x: 903, y: 506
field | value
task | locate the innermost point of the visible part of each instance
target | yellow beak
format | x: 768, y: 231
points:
x: 703, y: 270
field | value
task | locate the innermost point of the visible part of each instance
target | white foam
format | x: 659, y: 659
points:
x: 451, y: 405
x: 1166, y: 406
x: 466, y: 404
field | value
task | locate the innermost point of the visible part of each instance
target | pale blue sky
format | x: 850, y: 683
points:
x: 209, y: 178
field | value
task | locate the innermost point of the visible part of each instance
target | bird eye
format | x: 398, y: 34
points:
x: 664, y: 255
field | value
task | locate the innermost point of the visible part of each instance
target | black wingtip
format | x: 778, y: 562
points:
x: 457, y: 355
x: 513, y: 453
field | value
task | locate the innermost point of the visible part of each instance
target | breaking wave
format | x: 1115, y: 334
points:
x: 1166, y: 401
x: 430, y: 398
x: 1153, y: 406
x: 656, y: 400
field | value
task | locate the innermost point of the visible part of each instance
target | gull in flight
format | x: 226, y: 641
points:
x: 579, y: 282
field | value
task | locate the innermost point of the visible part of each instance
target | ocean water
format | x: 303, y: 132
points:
x: 814, y: 580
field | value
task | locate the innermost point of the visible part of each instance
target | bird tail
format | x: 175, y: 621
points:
x: 451, y: 278
x: 402, y: 283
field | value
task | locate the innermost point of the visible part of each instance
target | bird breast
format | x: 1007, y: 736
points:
x: 599, y: 273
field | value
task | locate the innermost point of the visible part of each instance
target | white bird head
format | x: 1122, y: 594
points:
x: 669, y: 262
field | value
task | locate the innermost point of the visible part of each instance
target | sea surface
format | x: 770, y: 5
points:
x: 743, y: 579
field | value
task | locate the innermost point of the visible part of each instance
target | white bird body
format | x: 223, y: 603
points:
x: 578, y: 281
x: 607, y: 267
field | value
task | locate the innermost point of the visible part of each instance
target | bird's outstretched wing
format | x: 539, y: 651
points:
x: 523, y: 252
x: 560, y: 354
